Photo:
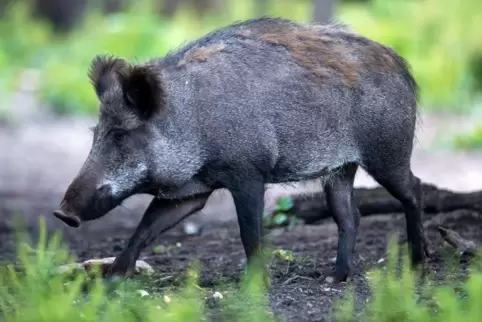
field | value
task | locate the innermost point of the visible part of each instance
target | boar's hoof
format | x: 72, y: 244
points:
x: 69, y: 219
x: 336, y: 279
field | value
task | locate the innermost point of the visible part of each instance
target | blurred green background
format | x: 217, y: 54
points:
x: 56, y: 39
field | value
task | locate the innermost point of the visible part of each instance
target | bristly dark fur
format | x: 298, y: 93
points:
x: 142, y: 89
x: 407, y: 73
x: 102, y: 72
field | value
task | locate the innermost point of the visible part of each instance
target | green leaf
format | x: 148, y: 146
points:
x: 284, y: 204
x: 280, y: 219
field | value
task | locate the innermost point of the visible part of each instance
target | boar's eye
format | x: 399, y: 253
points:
x: 118, y: 134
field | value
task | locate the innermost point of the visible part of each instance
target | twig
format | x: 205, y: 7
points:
x: 163, y: 279
x: 461, y: 244
x: 372, y: 201
x: 295, y: 277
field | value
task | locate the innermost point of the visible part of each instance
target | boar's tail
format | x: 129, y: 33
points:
x: 406, y: 72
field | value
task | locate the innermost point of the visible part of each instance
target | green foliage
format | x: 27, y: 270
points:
x: 33, y: 291
x: 66, y: 86
x: 440, y: 39
x: 21, y: 38
x: 470, y: 140
x: 399, y: 294
x: 281, y: 216
x: 284, y: 255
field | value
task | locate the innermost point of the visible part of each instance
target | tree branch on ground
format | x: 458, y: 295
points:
x: 372, y: 201
x: 462, y: 245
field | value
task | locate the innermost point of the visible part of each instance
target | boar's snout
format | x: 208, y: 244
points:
x: 70, y: 219
x: 86, y: 200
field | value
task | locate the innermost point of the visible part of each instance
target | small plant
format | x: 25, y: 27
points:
x: 281, y: 216
x: 284, y: 255
x: 34, y: 290
x: 400, y: 294
x: 159, y: 249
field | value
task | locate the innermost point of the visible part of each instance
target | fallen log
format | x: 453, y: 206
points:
x: 371, y: 201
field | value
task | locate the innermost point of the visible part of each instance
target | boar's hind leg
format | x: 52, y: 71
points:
x: 397, y: 177
x: 248, y: 197
x: 339, y: 197
x: 160, y: 216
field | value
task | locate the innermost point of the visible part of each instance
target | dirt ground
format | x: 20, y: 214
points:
x: 299, y: 291
x: 39, y: 156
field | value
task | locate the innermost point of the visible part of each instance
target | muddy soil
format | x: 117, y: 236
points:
x: 299, y: 291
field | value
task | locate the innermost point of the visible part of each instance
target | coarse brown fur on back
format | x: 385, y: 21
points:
x: 330, y: 53
x: 314, y: 50
x: 324, y: 49
x: 200, y: 53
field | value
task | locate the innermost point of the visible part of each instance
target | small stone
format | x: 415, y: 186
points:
x: 217, y: 295
x: 142, y: 293
x: 330, y: 279
x: 69, y: 268
x: 178, y: 244
x: 191, y: 228
x: 167, y: 299
x: 143, y: 268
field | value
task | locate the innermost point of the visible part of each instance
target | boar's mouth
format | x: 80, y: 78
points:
x: 74, y: 213
x: 83, y: 201
x: 75, y: 218
x: 70, y: 219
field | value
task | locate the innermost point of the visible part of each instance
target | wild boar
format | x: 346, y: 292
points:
x: 262, y: 101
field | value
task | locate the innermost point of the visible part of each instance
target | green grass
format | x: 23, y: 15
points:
x: 30, y: 291
x: 403, y: 295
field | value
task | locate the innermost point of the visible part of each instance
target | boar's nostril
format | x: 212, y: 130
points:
x: 71, y: 220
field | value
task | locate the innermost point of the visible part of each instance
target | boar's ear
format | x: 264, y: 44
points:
x: 142, y: 90
x: 103, y: 70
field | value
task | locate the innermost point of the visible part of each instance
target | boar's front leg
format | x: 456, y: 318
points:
x: 160, y: 216
x: 339, y: 197
x: 248, y: 197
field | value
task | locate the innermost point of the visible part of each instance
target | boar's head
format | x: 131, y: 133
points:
x: 121, y: 161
